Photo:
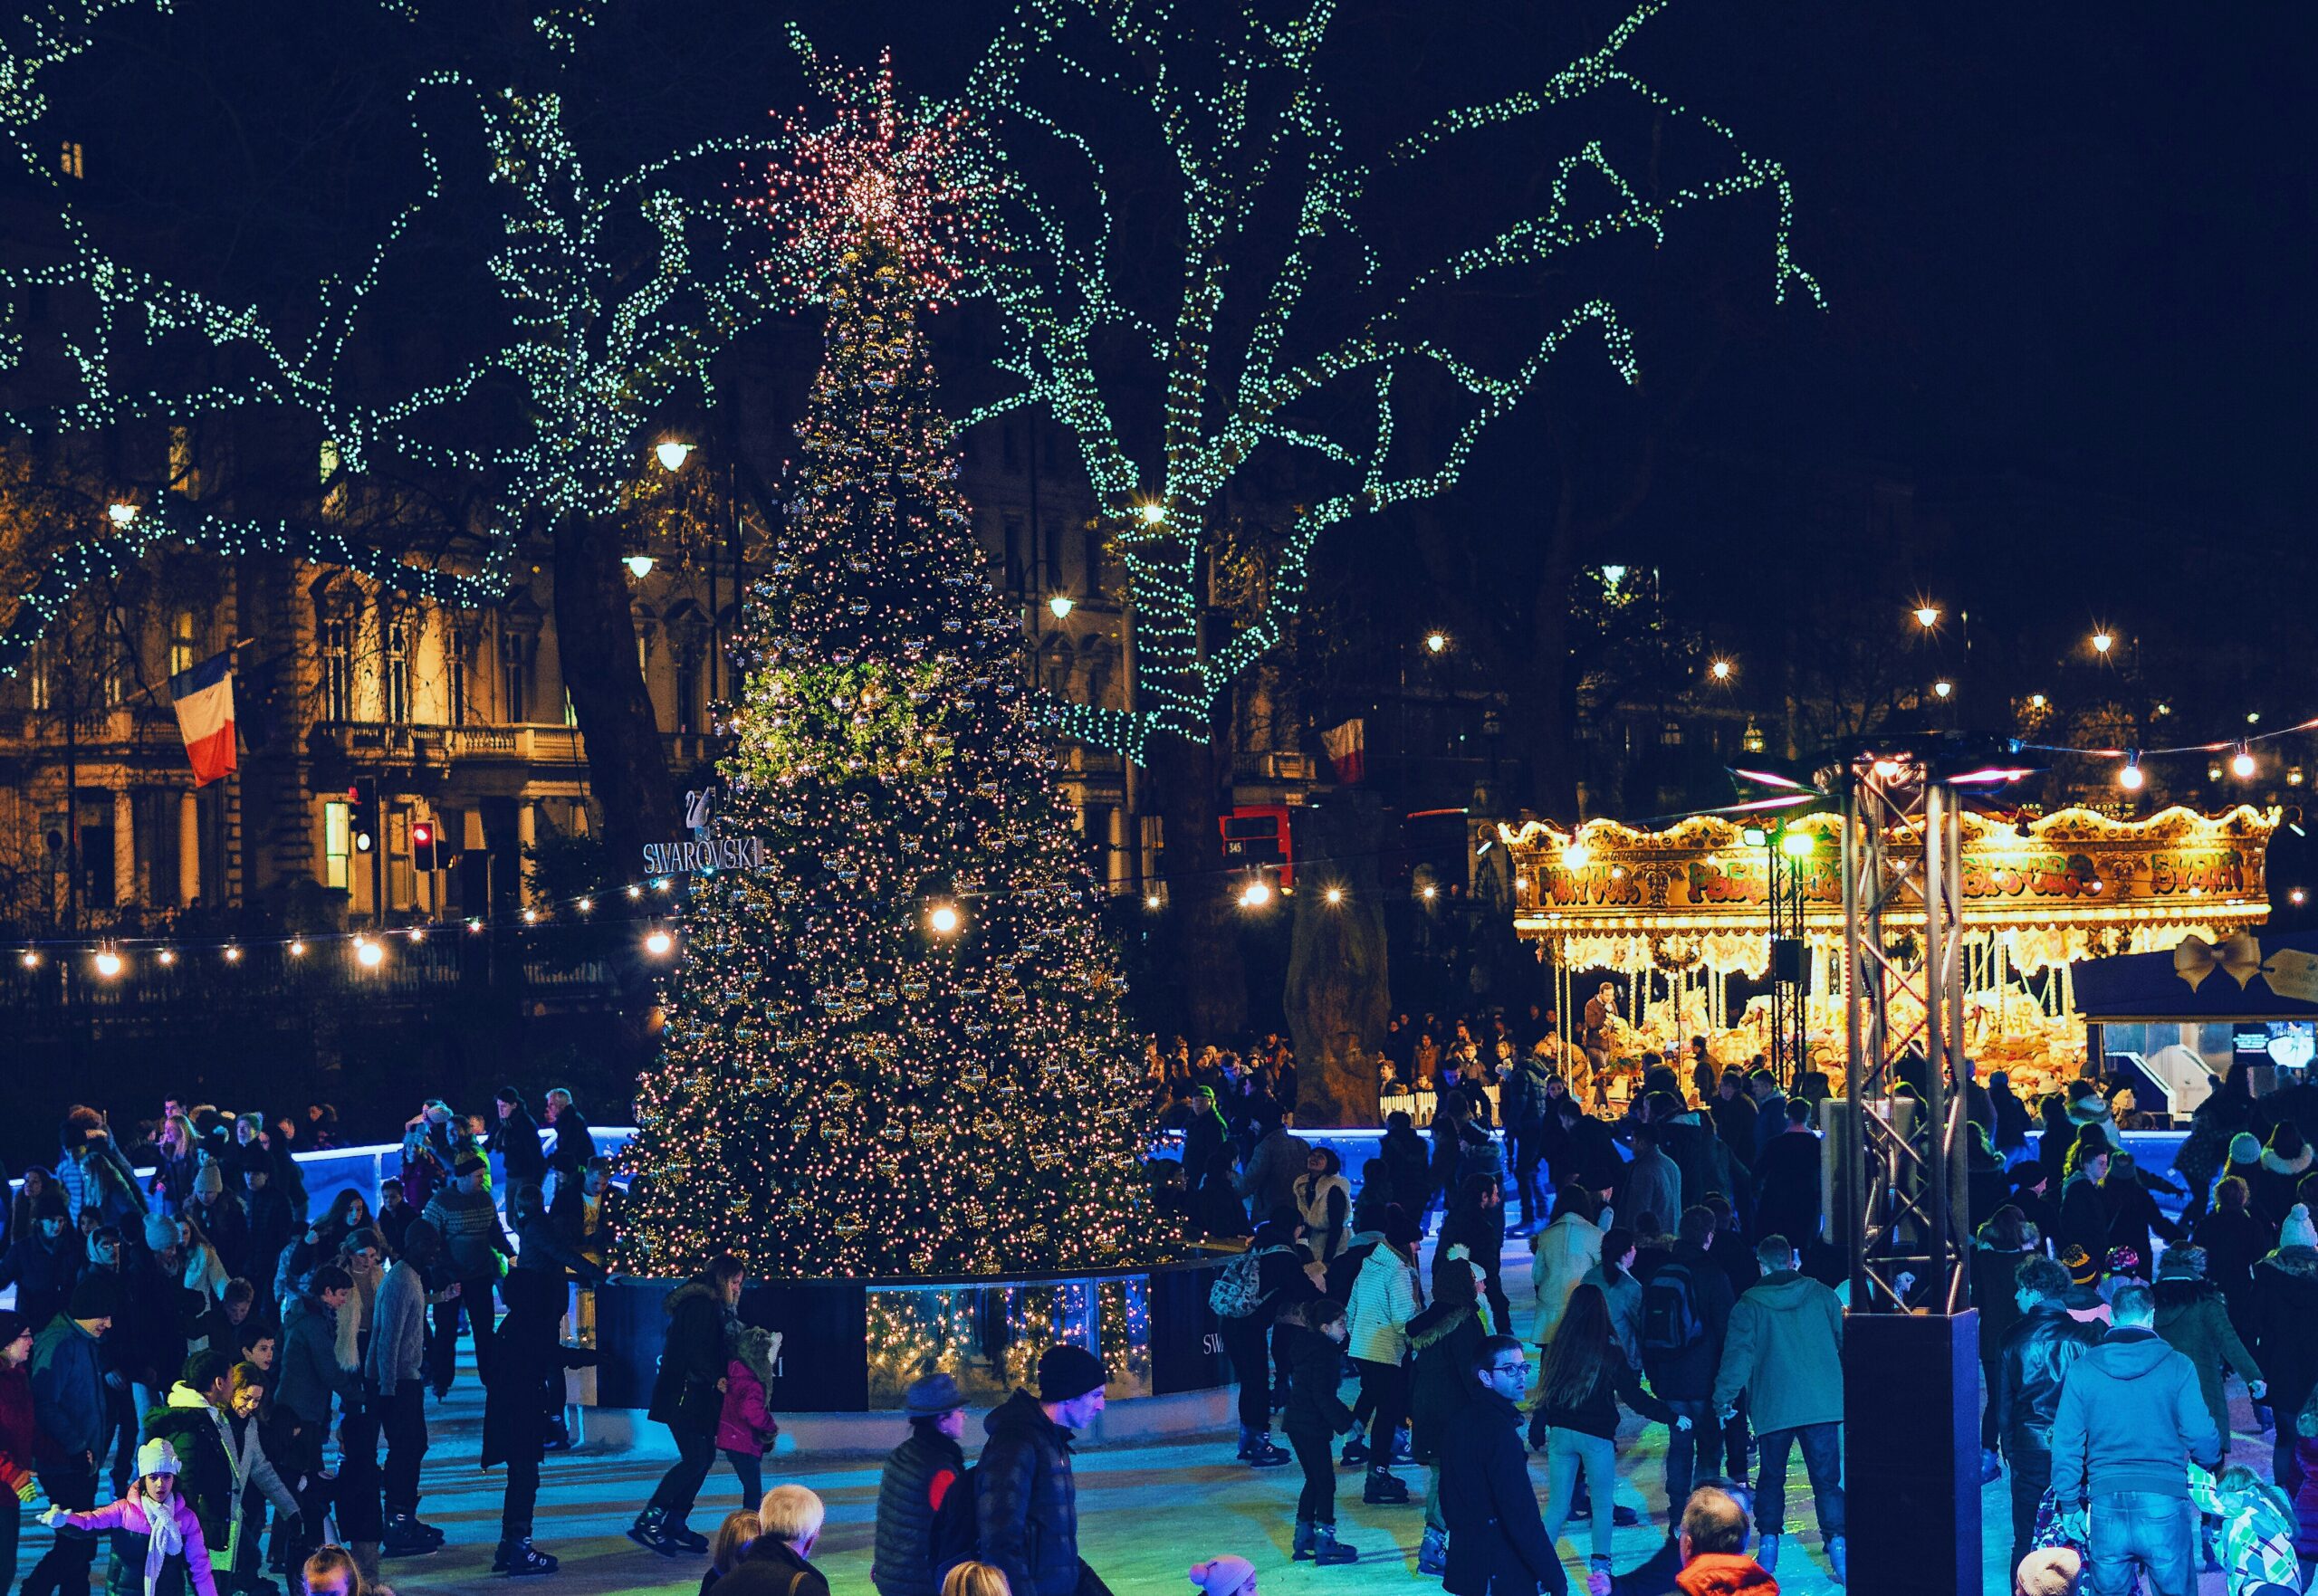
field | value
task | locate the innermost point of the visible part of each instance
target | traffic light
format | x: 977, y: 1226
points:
x: 362, y: 813
x: 422, y: 845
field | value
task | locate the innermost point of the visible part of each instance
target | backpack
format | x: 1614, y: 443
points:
x: 1237, y: 1293
x: 1670, y: 1321
x: 956, y: 1535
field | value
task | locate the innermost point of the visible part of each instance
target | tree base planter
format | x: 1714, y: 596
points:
x: 853, y: 1346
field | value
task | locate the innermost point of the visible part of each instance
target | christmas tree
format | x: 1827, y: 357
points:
x: 896, y: 1048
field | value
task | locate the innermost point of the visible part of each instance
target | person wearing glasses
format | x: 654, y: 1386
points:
x: 1497, y: 1544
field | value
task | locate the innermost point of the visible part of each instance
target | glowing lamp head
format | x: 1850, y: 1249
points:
x: 1255, y: 894
x: 1061, y: 605
x: 1429, y: 892
x: 370, y: 955
x: 1334, y: 895
x: 233, y: 955
x: 169, y: 956
x: 672, y: 453
x: 1151, y: 900
x: 29, y: 959
x: 2102, y: 642
x: 2294, y: 775
x: 586, y: 905
x: 1721, y: 670
x: 639, y: 566
x: 2131, y: 777
x: 941, y: 920
x: 1152, y: 515
x: 531, y: 917
x: 658, y: 943
x: 109, y: 964
x: 120, y: 512
x: 297, y: 950
x: 2298, y: 896
x: 2241, y: 763
x: 1435, y: 641
x: 1796, y: 844
x: 1944, y: 689
x: 1927, y: 615
x: 2036, y: 700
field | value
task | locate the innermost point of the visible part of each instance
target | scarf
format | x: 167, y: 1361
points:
x: 165, y: 1539
x: 346, y: 1339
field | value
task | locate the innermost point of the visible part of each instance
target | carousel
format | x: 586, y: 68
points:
x: 1676, y: 925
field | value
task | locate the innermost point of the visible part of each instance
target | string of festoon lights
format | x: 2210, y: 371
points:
x: 2241, y: 760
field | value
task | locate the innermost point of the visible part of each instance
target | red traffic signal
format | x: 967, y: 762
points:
x: 422, y: 845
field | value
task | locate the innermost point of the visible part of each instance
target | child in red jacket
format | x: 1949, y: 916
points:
x: 744, y: 1429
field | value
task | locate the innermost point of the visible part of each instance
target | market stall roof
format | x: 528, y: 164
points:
x: 2198, y: 980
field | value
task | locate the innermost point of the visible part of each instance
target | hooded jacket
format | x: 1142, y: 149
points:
x: 2130, y: 1419
x: 129, y: 1522
x: 1497, y: 1540
x: 68, y: 1394
x: 1725, y: 1573
x: 2034, y: 1357
x: 1446, y: 1336
x: 1560, y: 1258
x: 1784, y: 1348
x: 1026, y: 1501
x: 2286, y: 1324
x: 2193, y: 1322
x: 310, y: 1370
x: 1315, y: 1369
x: 685, y: 1396
x: 197, y: 1431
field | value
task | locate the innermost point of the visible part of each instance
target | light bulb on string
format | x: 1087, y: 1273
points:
x: 657, y: 942
x: 2131, y: 777
x: 109, y: 964
x: 29, y: 959
x: 233, y: 955
x: 369, y: 954
x: 1255, y: 894
x: 2242, y: 763
x: 168, y: 956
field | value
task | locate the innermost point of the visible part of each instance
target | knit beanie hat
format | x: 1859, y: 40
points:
x: 2082, y: 1269
x: 1221, y: 1576
x: 160, y: 1232
x: 2297, y: 1230
x: 2286, y: 1140
x: 209, y: 1181
x: 97, y: 1296
x: 2182, y: 1262
x: 2244, y: 1147
x: 1065, y: 1371
x: 2052, y: 1572
x: 157, y: 1457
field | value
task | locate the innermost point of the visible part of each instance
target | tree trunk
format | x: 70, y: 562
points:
x: 627, y: 764
x: 1200, y: 907
x: 1339, y: 990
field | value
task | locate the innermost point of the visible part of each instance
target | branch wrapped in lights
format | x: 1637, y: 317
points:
x: 1263, y: 124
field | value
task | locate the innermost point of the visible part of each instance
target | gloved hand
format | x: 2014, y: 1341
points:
x: 52, y: 1518
x: 1682, y: 1421
x: 26, y: 1491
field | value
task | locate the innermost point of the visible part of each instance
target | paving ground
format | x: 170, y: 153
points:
x: 1145, y: 1512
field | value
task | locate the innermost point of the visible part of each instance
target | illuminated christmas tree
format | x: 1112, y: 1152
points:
x: 897, y: 1048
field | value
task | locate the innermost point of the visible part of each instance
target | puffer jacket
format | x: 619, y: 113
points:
x: 2286, y: 1324
x: 1026, y: 1501
x: 2036, y: 1356
x: 742, y: 1424
x: 68, y: 1380
x: 310, y: 1374
x: 1725, y: 1573
x: 1385, y: 1298
x: 910, y: 1488
x: 685, y: 1396
x: 197, y: 1431
x: 1315, y: 1370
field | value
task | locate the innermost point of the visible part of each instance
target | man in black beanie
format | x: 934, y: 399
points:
x: 1026, y: 1502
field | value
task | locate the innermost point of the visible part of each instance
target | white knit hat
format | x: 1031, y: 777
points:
x: 157, y: 1457
x: 2297, y: 1230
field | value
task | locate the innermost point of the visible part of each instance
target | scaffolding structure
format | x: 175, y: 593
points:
x: 1902, y: 1136
x: 1790, y: 964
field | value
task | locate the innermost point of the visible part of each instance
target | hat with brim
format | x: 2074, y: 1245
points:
x: 932, y: 1395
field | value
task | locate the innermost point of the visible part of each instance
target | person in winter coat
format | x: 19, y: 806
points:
x: 1580, y: 1384
x: 688, y: 1397
x: 18, y: 1429
x: 1314, y: 1333
x: 1476, y: 1223
x: 1785, y: 1349
x: 2085, y: 1211
x: 1026, y: 1500
x: 1444, y: 1338
x: 158, y: 1547
x: 917, y: 1477
x: 2133, y: 1213
x: 1686, y: 1307
x: 2035, y: 1354
x: 1217, y: 1212
x: 516, y: 1139
x: 44, y: 1261
x: 218, y: 1217
x: 2285, y: 1159
x: 1279, y: 1279
x: 257, y: 1481
x: 1385, y: 1296
x: 2257, y: 1530
x: 1653, y: 1185
x: 1205, y: 1132
x: 474, y: 1254
x: 2131, y: 1421
x: 71, y: 1421
x: 2192, y: 1320
x: 1614, y: 1277
x: 1405, y: 1155
x: 2233, y: 1241
x: 1274, y: 1162
x: 744, y: 1429
x: 1562, y: 1255
x: 1497, y: 1542
x: 319, y: 1361
x: 776, y: 1563
x: 1324, y: 1203
x: 2009, y: 1135
x: 1997, y: 1248
x: 192, y: 1420
x: 270, y: 1221
x: 393, y: 1369
x: 1526, y: 1094
x: 2285, y: 1329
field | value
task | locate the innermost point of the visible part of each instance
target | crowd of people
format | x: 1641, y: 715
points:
x: 189, y: 1341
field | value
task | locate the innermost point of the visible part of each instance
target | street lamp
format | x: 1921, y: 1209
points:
x: 1061, y: 605
x: 658, y: 941
x: 108, y: 963
x: 1434, y: 642
x: 639, y: 566
x: 1721, y: 670
x: 2102, y: 642
x: 1152, y: 513
x: 673, y: 453
x: 369, y: 954
x: 1943, y: 688
x: 1927, y: 615
x: 120, y: 512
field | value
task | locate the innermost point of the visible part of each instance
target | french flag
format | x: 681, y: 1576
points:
x: 204, y: 705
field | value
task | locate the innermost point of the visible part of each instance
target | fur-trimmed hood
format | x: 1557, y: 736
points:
x: 2273, y: 1164
x: 2300, y: 1262
x: 1437, y: 1322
